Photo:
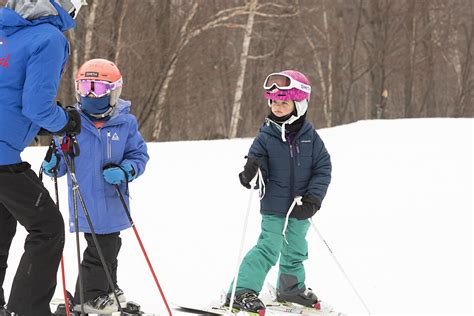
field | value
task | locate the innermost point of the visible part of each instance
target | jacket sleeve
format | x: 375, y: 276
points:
x: 321, y: 169
x: 43, y: 74
x: 136, y: 152
x: 259, y: 151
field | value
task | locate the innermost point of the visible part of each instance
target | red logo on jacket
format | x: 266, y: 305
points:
x: 3, y: 49
x: 4, y: 61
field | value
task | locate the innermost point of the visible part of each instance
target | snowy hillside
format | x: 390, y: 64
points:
x: 398, y: 216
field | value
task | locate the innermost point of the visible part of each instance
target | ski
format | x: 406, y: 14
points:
x: 301, y: 310
x: 320, y: 309
x: 201, y: 311
x: 211, y: 311
x: 129, y: 309
x: 273, y: 307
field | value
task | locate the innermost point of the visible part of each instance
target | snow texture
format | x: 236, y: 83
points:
x: 398, y: 217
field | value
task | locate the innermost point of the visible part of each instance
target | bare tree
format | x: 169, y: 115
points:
x: 89, y: 30
x: 193, y: 68
x: 234, y: 122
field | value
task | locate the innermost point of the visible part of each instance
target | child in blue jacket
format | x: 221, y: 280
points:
x: 109, y: 136
x: 294, y: 164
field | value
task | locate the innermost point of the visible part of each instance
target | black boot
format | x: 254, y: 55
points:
x: 247, y: 301
x: 306, y: 298
x: 4, y: 312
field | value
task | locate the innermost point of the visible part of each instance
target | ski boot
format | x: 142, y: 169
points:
x: 120, y: 295
x: 247, y: 301
x: 132, y: 309
x: 61, y: 309
x: 4, y: 312
x: 102, y: 304
x: 306, y: 298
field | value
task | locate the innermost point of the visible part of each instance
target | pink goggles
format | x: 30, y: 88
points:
x: 285, y: 95
x: 98, y: 88
x: 284, y: 82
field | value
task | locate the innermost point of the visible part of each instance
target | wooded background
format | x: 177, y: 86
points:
x: 194, y: 69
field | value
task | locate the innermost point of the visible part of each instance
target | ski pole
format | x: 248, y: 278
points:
x: 242, y: 242
x: 74, y: 152
x: 66, y: 149
x: 66, y: 300
x: 339, y: 265
x: 63, y: 273
x: 127, y: 211
x: 52, y: 151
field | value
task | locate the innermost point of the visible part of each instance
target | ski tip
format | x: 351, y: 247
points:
x: 261, y: 312
x: 317, y: 305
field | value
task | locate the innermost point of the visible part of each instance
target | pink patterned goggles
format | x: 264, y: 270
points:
x: 98, y: 88
x: 285, y: 95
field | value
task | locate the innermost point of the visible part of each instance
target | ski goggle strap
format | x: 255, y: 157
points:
x: 98, y: 88
x: 284, y: 82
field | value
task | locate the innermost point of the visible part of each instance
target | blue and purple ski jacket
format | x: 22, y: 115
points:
x: 118, y: 142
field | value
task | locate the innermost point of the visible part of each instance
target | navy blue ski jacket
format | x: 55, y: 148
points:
x: 33, y: 54
x: 117, y: 142
x: 290, y: 168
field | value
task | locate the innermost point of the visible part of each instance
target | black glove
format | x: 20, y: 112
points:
x: 73, y: 125
x: 250, y: 170
x: 310, y: 206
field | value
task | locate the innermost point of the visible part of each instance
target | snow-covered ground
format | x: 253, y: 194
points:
x: 398, y: 217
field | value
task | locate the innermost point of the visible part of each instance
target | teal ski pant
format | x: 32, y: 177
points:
x: 271, y: 246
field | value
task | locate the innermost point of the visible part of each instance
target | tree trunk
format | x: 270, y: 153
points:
x: 118, y: 41
x: 234, y: 122
x: 89, y: 27
x: 410, y: 53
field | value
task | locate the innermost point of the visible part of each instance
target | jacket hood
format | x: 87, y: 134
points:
x: 123, y: 106
x: 24, y: 13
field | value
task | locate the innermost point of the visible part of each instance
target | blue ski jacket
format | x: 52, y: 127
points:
x: 118, y: 142
x: 33, y: 54
x: 290, y: 168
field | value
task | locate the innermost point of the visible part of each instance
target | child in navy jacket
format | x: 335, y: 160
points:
x: 295, y: 166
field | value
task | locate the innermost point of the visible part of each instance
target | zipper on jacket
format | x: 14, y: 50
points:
x: 109, y: 146
x: 292, y: 171
x: 298, y: 161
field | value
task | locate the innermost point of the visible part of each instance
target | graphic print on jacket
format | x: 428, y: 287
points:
x: 118, y: 141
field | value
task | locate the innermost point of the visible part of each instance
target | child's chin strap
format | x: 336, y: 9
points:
x: 296, y: 201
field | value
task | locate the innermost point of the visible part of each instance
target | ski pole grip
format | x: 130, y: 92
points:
x: 298, y: 200
x: 110, y: 165
x: 253, y: 182
x: 114, y: 165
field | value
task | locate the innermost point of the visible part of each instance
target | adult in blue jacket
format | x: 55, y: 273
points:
x: 109, y: 137
x: 295, y: 175
x: 33, y: 52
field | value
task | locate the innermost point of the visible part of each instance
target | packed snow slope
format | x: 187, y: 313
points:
x: 397, y: 216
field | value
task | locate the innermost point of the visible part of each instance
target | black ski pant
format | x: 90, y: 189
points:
x: 95, y: 282
x: 24, y: 199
